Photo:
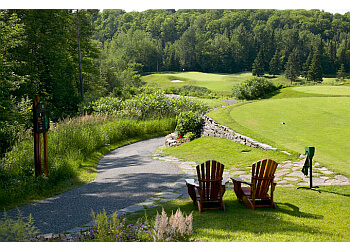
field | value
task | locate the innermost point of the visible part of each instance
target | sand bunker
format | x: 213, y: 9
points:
x: 176, y: 81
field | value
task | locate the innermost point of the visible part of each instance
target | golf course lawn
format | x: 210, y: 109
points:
x: 219, y: 83
x: 325, y: 90
x: 312, y: 115
x: 322, y: 122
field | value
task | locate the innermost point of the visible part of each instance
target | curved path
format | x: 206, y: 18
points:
x: 126, y: 176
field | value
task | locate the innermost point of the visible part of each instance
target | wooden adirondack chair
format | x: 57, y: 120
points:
x: 256, y: 195
x: 210, y: 188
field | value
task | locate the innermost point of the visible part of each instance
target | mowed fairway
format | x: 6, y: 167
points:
x: 219, y: 83
x: 322, y: 122
x: 325, y: 90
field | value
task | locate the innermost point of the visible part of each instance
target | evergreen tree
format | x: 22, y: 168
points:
x: 258, y: 65
x: 332, y: 57
x: 306, y: 67
x: 315, y: 70
x: 275, y: 64
x: 341, y: 74
x: 292, y: 67
x: 343, y: 54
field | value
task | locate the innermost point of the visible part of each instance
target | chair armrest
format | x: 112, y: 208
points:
x: 225, y: 181
x: 191, y: 182
x: 237, y: 179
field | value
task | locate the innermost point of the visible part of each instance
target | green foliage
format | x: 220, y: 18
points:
x: 341, y: 72
x: 189, y: 122
x: 190, y: 135
x: 115, y: 228
x: 17, y: 230
x: 71, y: 143
x: 176, y: 228
x: 306, y: 67
x: 258, y: 65
x: 315, y: 69
x: 15, y: 120
x: 275, y: 64
x: 145, y: 106
x: 9, y: 135
x: 292, y: 70
x: 253, y: 88
x: 106, y: 105
x: 224, y: 41
x: 39, y: 55
x: 191, y: 90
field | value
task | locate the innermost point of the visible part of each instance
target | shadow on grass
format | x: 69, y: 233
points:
x: 333, y: 192
x: 271, y: 94
x: 293, y: 210
x: 238, y: 223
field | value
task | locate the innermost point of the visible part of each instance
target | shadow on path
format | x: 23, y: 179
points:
x: 126, y: 176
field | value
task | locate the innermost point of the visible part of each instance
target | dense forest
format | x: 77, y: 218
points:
x: 225, y: 40
x: 39, y: 52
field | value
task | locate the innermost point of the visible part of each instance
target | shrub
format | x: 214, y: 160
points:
x: 187, y: 122
x: 105, y: 105
x: 115, y: 228
x: 190, y: 135
x: 253, y: 88
x: 145, y: 106
x: 17, y: 230
x: 176, y: 228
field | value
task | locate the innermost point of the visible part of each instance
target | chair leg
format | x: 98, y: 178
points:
x: 237, y: 189
x: 191, y: 192
x: 274, y: 205
x: 248, y: 202
x: 222, y: 205
x: 200, y: 209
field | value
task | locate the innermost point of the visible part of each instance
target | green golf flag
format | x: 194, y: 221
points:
x: 306, y: 166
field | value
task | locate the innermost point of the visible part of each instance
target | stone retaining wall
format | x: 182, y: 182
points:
x: 212, y: 128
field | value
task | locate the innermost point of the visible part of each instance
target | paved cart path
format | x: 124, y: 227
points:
x: 126, y: 176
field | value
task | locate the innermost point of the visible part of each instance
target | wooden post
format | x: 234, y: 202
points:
x: 46, y: 156
x: 37, y: 143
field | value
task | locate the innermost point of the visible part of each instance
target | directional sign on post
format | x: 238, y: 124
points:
x: 41, y: 118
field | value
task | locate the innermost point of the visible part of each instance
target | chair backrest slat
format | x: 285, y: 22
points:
x: 209, y: 178
x: 263, y: 174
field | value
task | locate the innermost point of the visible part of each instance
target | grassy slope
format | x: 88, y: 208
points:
x: 233, y: 155
x: 322, y: 122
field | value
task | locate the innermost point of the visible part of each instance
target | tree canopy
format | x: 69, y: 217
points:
x: 227, y: 40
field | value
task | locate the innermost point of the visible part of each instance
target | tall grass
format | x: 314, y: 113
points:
x: 72, y: 142
x: 145, y: 106
x: 76, y: 144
